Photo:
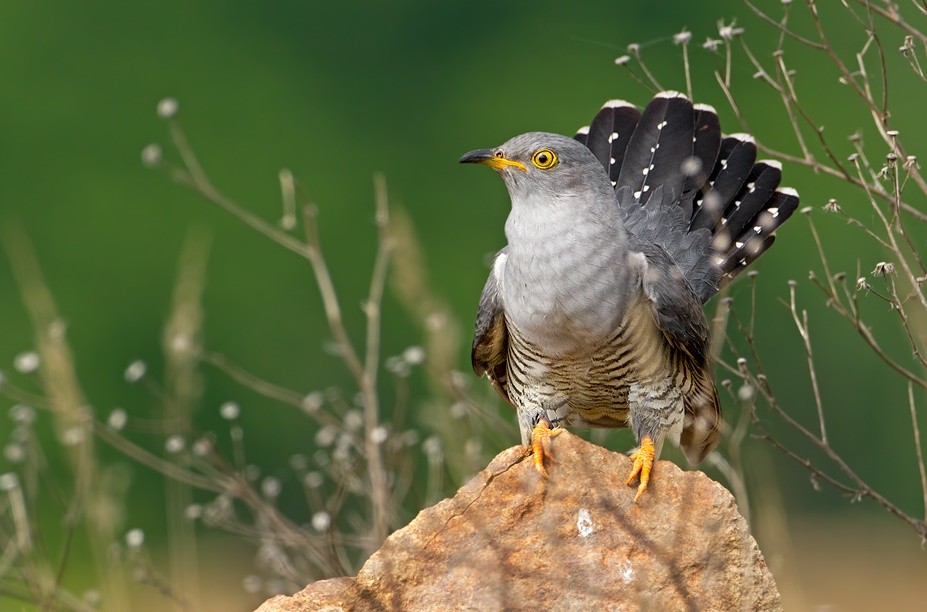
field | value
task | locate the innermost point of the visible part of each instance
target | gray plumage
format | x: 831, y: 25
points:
x: 592, y: 314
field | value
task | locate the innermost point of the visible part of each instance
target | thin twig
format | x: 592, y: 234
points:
x: 917, y: 446
x: 802, y: 325
x: 372, y: 308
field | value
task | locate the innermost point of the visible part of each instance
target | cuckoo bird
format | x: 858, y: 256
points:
x: 592, y: 313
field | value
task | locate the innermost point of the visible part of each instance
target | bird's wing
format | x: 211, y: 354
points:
x: 491, y: 338
x: 676, y: 309
x: 663, y: 224
x: 677, y: 312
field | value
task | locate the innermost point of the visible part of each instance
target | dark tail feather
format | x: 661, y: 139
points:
x: 705, y: 149
x: 737, y: 250
x: 752, y: 197
x: 735, y: 161
x: 609, y: 133
x: 676, y: 149
x: 660, y: 146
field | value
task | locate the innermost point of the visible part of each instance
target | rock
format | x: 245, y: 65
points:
x: 577, y: 541
x: 321, y: 595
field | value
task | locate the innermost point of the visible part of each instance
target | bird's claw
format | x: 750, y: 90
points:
x: 540, y: 444
x: 643, y: 464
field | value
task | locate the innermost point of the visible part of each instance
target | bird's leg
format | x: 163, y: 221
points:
x: 643, y: 464
x: 540, y: 444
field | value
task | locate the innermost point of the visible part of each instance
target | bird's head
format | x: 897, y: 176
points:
x: 541, y: 164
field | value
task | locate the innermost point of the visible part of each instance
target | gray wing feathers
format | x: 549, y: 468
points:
x: 662, y: 222
x: 490, y: 340
x: 677, y: 311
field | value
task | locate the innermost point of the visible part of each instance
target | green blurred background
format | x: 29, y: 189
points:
x: 339, y: 91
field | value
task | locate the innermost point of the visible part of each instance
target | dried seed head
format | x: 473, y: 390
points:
x: 151, y: 156
x: 729, y: 31
x: 379, y: 435
x: 174, y: 444
x: 9, y: 481
x: 230, y: 411
x: 712, y: 44
x: 117, y: 419
x: 135, y: 371
x: 884, y: 268
x: 135, y: 538
x: 321, y: 521
x: 167, y: 108
x: 271, y: 487
x: 27, y: 362
x: 22, y: 414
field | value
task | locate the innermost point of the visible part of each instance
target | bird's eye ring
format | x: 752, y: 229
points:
x: 500, y: 154
x: 544, y: 159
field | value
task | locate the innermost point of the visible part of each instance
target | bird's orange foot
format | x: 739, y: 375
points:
x: 540, y: 444
x: 643, y: 464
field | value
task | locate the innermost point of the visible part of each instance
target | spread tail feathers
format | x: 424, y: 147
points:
x: 717, y: 182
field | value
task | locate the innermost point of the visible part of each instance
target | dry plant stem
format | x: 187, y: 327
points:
x: 895, y: 247
x: 635, y: 52
x: 183, y: 389
x: 685, y: 63
x: 735, y: 480
x: 639, y: 79
x: 288, y: 196
x: 364, y: 373
x: 193, y: 176
x: 890, y: 13
x: 898, y: 307
x: 156, y: 463
x: 879, y: 118
x: 781, y: 26
x: 866, y: 333
x: 265, y: 388
x: 380, y: 495
x: 786, y: 91
x: 859, y: 489
x: 801, y: 324
x: 917, y: 447
x: 279, y: 527
x: 72, y: 421
x: 252, y: 381
x: 313, y: 253
x: 851, y: 314
x: 727, y: 62
x: 365, y: 382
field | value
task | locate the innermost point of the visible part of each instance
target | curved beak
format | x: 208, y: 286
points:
x: 488, y: 158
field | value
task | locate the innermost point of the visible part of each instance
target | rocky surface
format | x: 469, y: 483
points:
x: 511, y: 540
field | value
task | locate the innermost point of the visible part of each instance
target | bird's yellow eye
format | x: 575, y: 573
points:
x: 544, y: 159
